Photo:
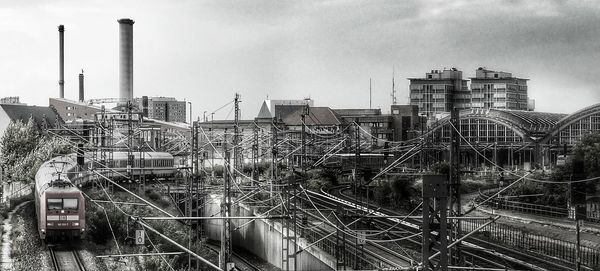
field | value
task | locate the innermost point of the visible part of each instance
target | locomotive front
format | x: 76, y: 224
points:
x: 64, y: 213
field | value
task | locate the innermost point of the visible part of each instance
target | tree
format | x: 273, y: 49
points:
x: 18, y: 140
x: 588, y: 150
x: 24, y: 150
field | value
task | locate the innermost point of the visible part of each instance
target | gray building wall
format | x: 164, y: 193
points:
x: 433, y: 94
x: 165, y: 109
x: 494, y: 89
x: 72, y: 110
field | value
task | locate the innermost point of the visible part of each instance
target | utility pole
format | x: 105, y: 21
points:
x: 212, y: 150
x: 393, y: 85
x: 237, y: 158
x: 577, y: 199
x: 370, y: 92
x: 454, y: 184
x: 225, y: 256
x: 255, y: 173
x: 274, y: 163
x: 435, y: 200
x: 358, y: 242
x: 305, y: 112
x: 130, y: 158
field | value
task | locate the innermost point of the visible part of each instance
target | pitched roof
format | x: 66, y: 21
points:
x: 40, y: 114
x: 318, y: 116
x: 264, y: 112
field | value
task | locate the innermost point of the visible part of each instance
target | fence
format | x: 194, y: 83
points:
x: 14, y: 190
x: 528, y: 208
x: 533, y: 244
x: 329, y: 246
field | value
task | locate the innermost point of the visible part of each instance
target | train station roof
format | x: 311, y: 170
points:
x: 534, y: 126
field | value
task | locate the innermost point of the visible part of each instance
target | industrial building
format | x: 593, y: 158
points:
x: 43, y: 117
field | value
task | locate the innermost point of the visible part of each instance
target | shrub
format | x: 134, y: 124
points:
x: 98, y: 227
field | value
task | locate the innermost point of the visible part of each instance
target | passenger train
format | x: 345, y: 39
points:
x: 60, y: 205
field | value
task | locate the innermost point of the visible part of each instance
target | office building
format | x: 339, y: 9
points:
x: 163, y: 108
x: 500, y: 90
x: 433, y: 94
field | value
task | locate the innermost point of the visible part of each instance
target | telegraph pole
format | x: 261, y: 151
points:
x: 225, y: 256
x: 274, y: 163
x: 255, y: 174
x: 237, y: 158
x: 358, y: 242
x: 577, y: 200
x: 435, y: 199
x: 454, y: 184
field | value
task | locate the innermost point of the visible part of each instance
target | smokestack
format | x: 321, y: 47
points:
x: 126, y: 59
x: 61, y: 56
x: 81, y: 98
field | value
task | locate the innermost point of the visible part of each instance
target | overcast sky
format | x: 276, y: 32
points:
x: 205, y: 51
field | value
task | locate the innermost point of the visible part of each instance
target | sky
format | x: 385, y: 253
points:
x: 206, y: 51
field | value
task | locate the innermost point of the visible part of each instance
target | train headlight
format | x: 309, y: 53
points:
x: 76, y: 224
x: 50, y: 224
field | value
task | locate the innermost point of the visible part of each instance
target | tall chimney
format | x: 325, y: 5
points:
x: 126, y: 59
x: 61, y: 56
x: 81, y: 98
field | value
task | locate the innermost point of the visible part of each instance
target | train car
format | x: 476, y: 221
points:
x: 155, y: 165
x: 59, y: 205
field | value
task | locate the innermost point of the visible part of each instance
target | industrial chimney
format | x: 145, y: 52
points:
x: 61, y: 56
x: 126, y: 59
x: 81, y: 98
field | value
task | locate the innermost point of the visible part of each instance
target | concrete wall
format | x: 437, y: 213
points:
x: 263, y: 238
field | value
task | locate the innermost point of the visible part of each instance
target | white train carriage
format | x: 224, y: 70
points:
x: 155, y: 165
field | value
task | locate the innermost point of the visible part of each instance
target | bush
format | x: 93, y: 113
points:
x: 153, y: 195
x: 218, y: 169
x: 98, y: 227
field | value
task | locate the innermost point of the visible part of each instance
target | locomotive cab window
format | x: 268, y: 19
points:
x: 63, y: 204
x: 54, y: 204
x: 70, y: 204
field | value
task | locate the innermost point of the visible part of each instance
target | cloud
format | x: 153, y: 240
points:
x: 207, y: 50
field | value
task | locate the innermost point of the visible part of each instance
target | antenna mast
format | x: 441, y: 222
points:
x: 393, y: 85
x: 370, y: 93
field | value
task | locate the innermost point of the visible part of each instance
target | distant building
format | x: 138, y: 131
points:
x: 433, y: 93
x: 163, y: 108
x: 496, y: 89
x: 70, y: 110
x: 268, y: 108
x: 43, y: 116
x: 10, y: 100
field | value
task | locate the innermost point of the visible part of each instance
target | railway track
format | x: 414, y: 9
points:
x: 497, y: 256
x: 65, y: 259
x: 241, y: 263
